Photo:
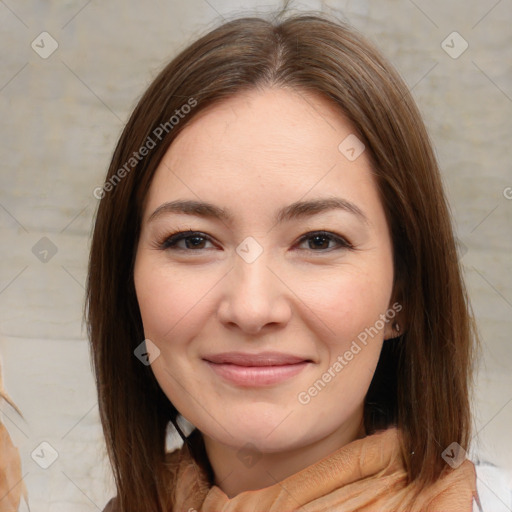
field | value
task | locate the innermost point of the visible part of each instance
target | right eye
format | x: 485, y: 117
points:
x: 193, y: 240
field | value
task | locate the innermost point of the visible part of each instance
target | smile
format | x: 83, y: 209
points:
x: 256, y: 369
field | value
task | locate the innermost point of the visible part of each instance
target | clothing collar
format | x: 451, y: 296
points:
x: 366, y: 475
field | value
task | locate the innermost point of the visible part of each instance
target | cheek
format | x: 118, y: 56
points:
x: 348, y: 306
x: 170, y: 300
x: 173, y: 305
x: 347, y: 301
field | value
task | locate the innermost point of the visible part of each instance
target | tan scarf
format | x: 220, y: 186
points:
x: 12, y: 487
x: 366, y: 475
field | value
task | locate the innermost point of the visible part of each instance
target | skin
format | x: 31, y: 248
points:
x: 254, y: 154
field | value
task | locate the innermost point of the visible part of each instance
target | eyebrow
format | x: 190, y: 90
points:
x: 299, y: 209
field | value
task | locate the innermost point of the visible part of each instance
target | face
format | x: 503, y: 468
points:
x: 258, y: 279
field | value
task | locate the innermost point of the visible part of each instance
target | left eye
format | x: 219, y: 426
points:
x: 322, y: 239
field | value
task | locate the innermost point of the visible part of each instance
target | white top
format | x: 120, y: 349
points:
x: 494, y: 488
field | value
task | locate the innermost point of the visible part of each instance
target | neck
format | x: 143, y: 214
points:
x: 236, y: 470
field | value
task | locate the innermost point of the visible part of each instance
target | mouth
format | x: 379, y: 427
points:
x: 255, y: 370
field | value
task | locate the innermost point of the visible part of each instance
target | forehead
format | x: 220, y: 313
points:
x: 270, y: 123
x: 262, y: 147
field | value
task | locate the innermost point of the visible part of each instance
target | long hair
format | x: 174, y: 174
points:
x: 423, y: 379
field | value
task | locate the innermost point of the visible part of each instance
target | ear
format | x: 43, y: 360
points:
x: 396, y: 318
x: 394, y: 327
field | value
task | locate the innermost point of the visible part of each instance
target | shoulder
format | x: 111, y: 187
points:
x: 175, y: 462
x: 172, y: 460
x: 455, y: 489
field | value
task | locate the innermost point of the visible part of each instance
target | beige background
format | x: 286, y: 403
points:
x: 61, y: 118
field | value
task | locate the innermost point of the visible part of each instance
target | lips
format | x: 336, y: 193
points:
x: 256, y: 370
x: 260, y: 359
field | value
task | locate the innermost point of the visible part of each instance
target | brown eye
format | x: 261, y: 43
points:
x: 192, y: 240
x: 322, y: 241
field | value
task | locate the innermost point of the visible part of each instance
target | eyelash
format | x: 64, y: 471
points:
x: 170, y: 242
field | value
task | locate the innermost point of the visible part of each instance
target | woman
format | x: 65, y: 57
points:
x: 273, y: 260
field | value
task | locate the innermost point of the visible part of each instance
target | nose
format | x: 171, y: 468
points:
x: 254, y: 297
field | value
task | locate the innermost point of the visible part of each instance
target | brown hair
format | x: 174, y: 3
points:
x: 422, y: 382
